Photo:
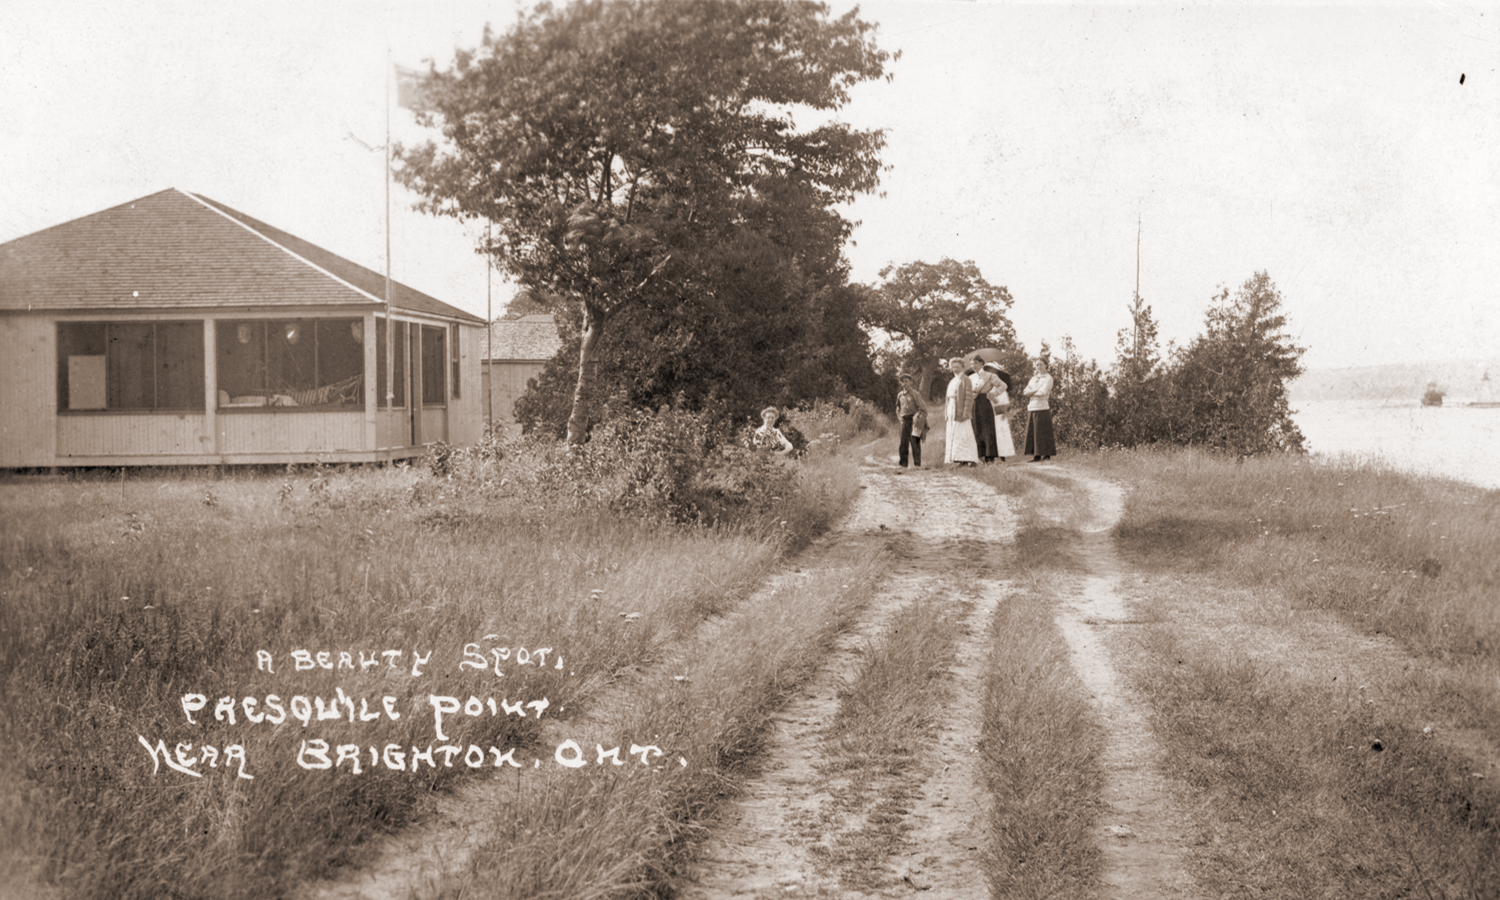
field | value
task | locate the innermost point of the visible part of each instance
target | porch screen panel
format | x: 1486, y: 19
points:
x: 434, y: 365
x: 81, y: 369
x: 241, y: 361
x: 453, y: 345
x: 291, y: 363
x: 291, y: 357
x: 131, y: 376
x: 179, y: 365
x: 142, y: 365
x: 341, y: 350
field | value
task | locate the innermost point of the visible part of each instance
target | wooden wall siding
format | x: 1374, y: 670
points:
x: 507, y: 384
x: 394, y: 432
x: 143, y: 434
x: 260, y: 433
x: 434, y: 425
x: 466, y: 412
x: 28, y: 391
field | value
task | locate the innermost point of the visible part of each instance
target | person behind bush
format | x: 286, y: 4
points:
x: 777, y: 435
x: 913, y: 417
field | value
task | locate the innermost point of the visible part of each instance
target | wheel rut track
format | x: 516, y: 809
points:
x: 943, y: 530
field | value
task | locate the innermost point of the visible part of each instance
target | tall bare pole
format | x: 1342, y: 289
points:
x: 1136, y: 312
x: 390, y: 325
x: 489, y: 333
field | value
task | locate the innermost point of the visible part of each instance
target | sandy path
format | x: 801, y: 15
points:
x: 769, y: 844
x: 1147, y: 833
x: 921, y: 510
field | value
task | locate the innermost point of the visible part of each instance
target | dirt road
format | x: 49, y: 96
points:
x: 952, y: 521
x: 947, y: 536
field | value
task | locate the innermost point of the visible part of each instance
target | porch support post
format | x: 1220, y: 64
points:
x: 210, y: 441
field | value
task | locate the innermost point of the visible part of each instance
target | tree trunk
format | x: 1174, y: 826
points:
x: 925, y: 377
x: 578, y: 419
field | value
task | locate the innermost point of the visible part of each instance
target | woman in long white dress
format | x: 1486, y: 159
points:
x: 1004, y: 443
x: 960, y: 446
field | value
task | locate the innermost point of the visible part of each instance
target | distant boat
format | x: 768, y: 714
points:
x: 1486, y: 395
x: 1433, y: 396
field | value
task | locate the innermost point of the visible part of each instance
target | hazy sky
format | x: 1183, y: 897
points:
x: 1333, y: 146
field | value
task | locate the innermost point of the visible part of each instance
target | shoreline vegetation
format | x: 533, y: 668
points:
x: 121, y: 595
x: 1318, y: 646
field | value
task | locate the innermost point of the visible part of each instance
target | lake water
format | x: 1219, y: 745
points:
x: 1455, y: 441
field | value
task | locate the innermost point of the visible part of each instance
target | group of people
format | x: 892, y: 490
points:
x: 977, y: 415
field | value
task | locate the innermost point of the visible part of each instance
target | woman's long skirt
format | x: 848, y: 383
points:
x: 1039, y: 440
x: 983, y: 421
x: 959, y: 446
x: 1004, y: 443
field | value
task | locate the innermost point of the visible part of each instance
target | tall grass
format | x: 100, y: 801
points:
x: 1308, y: 790
x: 1310, y: 785
x: 120, y: 596
x: 1401, y: 554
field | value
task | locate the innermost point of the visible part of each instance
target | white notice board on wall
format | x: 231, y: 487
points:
x: 85, y: 382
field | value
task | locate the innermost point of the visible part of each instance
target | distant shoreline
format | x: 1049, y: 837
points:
x: 1460, y: 381
x: 1448, y: 441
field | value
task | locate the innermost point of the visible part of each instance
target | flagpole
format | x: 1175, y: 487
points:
x: 390, y: 325
x: 489, y: 333
x: 1136, y: 351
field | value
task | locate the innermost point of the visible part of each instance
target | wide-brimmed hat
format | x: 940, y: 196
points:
x: 773, y: 410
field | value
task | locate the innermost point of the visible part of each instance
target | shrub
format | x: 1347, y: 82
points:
x: 671, y: 464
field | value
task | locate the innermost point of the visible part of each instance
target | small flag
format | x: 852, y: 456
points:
x: 408, y: 87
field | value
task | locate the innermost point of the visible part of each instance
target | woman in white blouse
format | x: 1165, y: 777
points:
x: 959, y: 447
x: 1040, y: 443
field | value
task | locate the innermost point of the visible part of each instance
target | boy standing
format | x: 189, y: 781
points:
x: 913, y: 416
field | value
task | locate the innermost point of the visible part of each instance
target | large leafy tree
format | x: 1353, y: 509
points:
x: 706, y: 355
x: 640, y: 157
x: 941, y: 309
x: 1229, y: 385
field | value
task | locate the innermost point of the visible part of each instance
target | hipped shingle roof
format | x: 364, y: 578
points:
x: 175, y: 250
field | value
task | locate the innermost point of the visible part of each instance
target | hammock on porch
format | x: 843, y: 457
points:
x: 342, y: 392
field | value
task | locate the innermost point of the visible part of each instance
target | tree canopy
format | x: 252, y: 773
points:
x: 1230, y: 383
x: 941, y: 309
x: 641, y: 156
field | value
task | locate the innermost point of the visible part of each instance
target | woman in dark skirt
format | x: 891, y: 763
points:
x: 986, y: 384
x: 1040, y: 444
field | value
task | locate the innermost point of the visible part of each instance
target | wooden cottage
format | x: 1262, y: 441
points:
x: 515, y: 353
x: 173, y: 330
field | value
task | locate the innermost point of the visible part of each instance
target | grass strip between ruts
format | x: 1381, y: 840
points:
x: 1041, y: 747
